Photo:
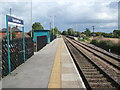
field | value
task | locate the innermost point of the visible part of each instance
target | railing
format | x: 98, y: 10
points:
x: 16, y: 53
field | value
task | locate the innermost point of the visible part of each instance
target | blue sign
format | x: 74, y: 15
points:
x: 15, y: 20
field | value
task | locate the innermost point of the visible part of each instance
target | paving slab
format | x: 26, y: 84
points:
x: 69, y: 73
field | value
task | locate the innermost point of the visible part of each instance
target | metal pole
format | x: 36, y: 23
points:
x: 10, y: 11
x: 50, y: 25
x: 53, y: 25
x: 36, y: 44
x: 23, y: 44
x: 31, y: 20
x: 119, y: 15
x: 93, y: 28
x: 76, y: 29
x: 10, y: 27
x: 8, y: 46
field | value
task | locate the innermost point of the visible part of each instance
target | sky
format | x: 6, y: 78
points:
x: 76, y: 14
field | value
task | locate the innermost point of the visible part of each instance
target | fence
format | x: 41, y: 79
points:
x: 52, y: 37
x: 16, y: 53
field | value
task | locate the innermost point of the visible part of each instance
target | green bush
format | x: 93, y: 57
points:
x: 84, y: 38
x: 105, y: 45
x: 94, y: 41
x: 81, y: 39
x: 115, y: 48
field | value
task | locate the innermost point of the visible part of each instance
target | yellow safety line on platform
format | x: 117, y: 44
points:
x: 55, y: 78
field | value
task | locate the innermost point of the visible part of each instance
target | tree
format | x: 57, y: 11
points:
x: 87, y: 32
x: 37, y: 26
x: 55, y: 31
x: 99, y: 33
x: 116, y: 33
x: 64, y: 33
x: 59, y: 32
x: 77, y: 33
x: 70, y: 32
x: 13, y: 35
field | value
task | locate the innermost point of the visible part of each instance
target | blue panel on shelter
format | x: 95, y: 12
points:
x: 42, y: 33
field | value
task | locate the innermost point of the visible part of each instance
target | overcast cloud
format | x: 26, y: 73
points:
x: 77, y: 14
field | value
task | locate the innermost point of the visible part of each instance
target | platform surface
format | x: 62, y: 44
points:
x: 64, y: 73
x: 70, y: 75
x: 51, y: 67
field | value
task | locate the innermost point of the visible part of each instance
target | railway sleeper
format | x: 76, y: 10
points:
x: 97, y: 80
x: 83, y: 63
x: 86, y: 65
x: 89, y: 70
x: 95, y: 76
x: 103, y: 88
x: 92, y: 73
x: 101, y: 84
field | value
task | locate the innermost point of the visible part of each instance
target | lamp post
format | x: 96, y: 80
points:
x: 31, y: 19
x: 93, y: 28
x: 53, y: 21
x: 76, y: 29
x: 10, y: 27
x: 50, y: 26
x: 53, y: 24
x: 119, y: 15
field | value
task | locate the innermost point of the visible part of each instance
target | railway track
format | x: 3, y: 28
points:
x: 112, y: 61
x: 117, y: 57
x: 98, y: 71
x: 109, y: 64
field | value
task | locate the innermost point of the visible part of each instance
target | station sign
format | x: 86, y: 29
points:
x: 15, y: 21
x: 10, y: 20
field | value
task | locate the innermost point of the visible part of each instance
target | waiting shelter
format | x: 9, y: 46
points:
x: 38, y: 33
x: 41, y: 38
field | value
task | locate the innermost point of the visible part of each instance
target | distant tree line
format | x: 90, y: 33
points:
x: 55, y: 31
x: 88, y: 33
x: 114, y: 34
x: 71, y: 32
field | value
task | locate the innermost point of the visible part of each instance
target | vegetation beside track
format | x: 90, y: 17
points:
x: 107, y: 45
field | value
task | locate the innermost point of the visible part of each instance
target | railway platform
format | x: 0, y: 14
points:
x: 51, y: 67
